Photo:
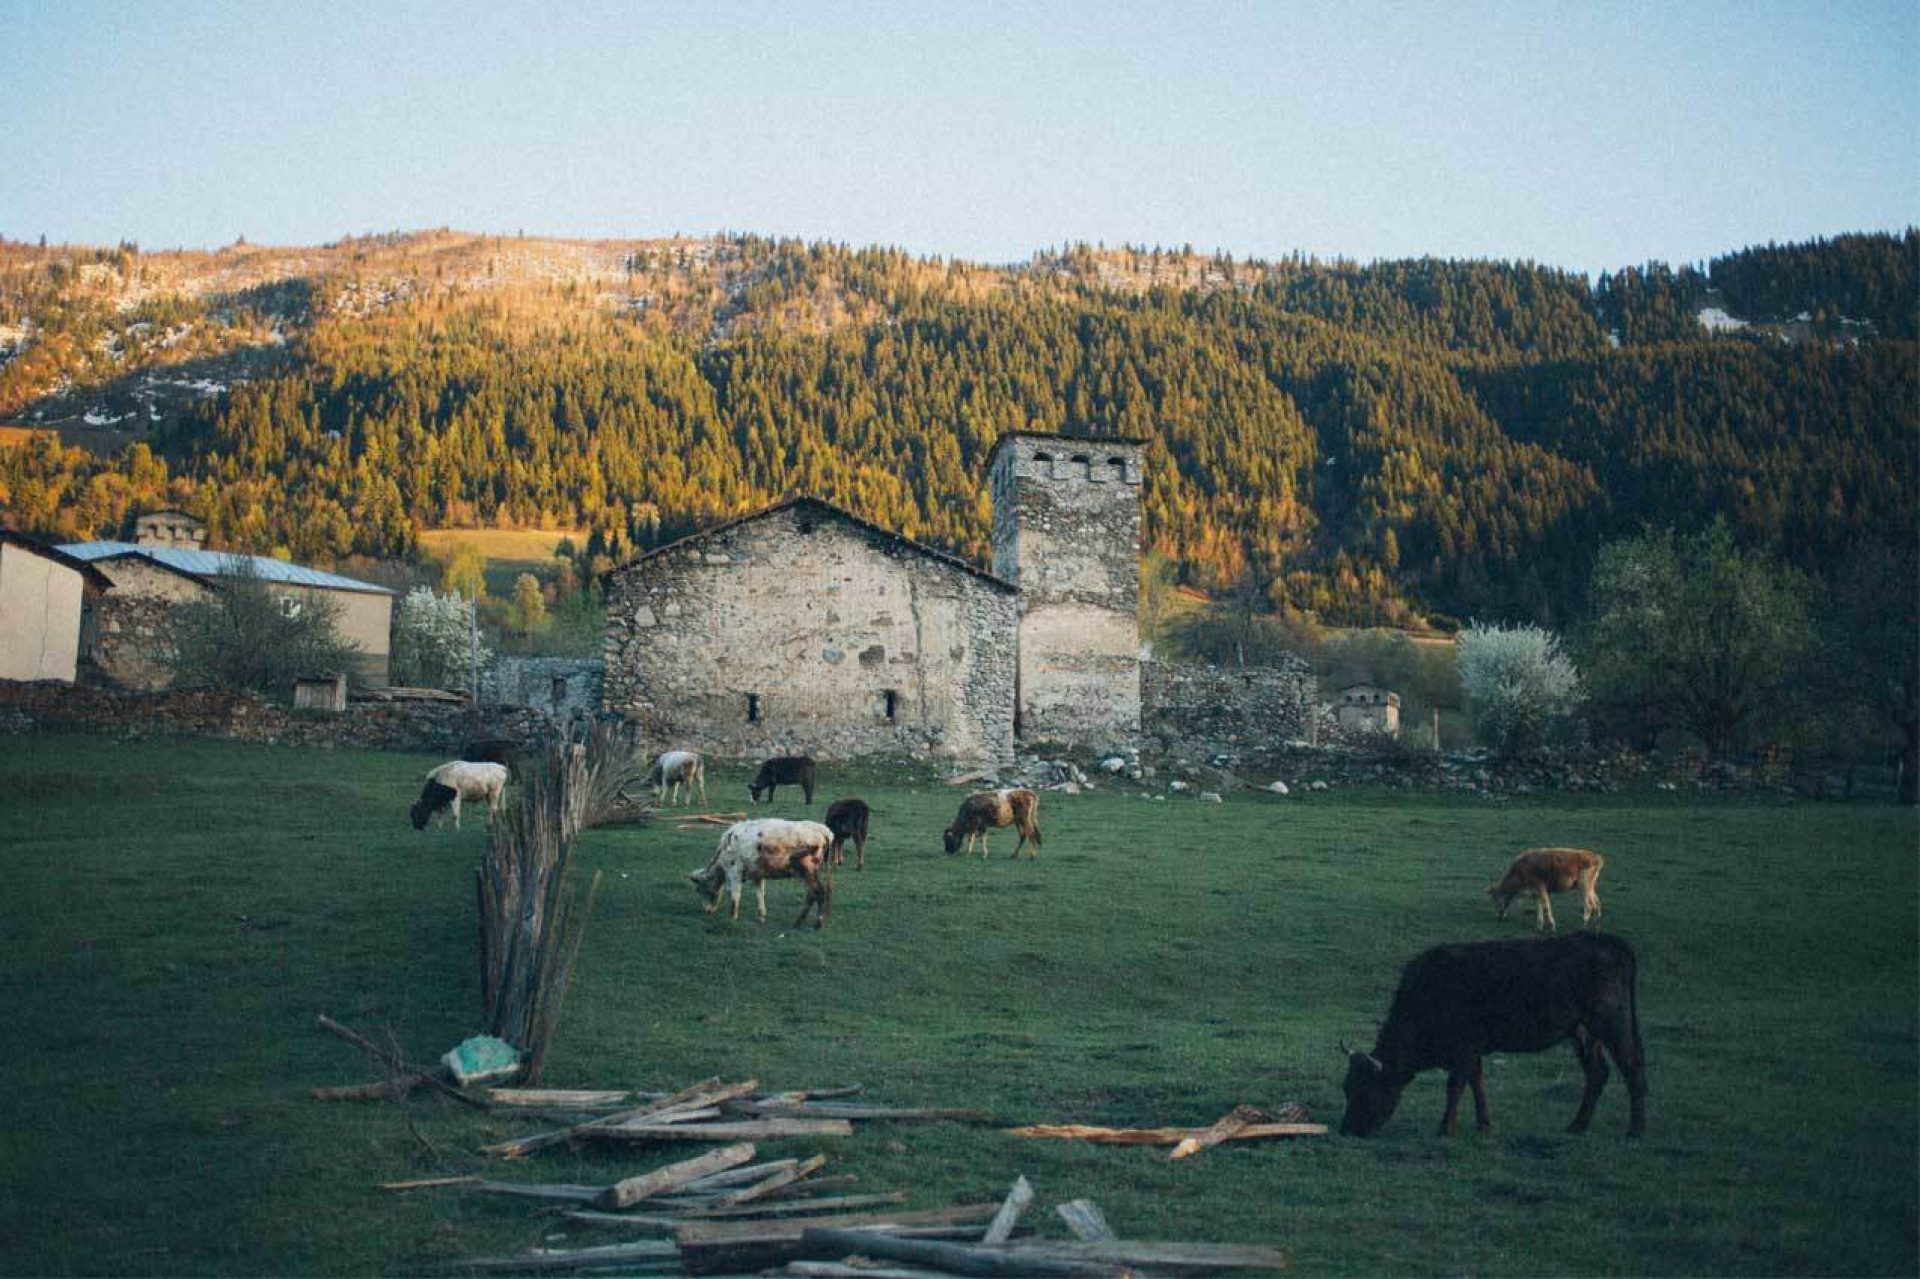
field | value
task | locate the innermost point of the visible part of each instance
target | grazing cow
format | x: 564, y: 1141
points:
x: 676, y: 769
x: 783, y: 770
x: 1456, y: 1003
x: 460, y: 780
x: 847, y: 819
x: 770, y: 848
x: 983, y: 810
x: 1542, y: 871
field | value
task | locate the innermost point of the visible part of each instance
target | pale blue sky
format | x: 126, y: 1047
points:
x: 1589, y: 136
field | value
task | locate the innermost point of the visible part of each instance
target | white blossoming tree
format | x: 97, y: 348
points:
x: 1517, y: 682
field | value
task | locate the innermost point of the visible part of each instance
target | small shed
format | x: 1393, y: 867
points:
x: 320, y: 693
x: 1365, y: 708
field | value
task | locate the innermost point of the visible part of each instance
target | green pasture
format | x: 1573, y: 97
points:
x: 177, y: 912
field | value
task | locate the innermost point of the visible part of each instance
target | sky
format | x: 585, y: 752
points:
x: 1585, y: 136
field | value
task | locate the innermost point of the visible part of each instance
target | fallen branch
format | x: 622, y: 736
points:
x: 744, y: 1130
x: 429, y: 1183
x: 393, y: 1062
x: 700, y: 1094
x: 778, y: 1181
x: 625, y: 1194
x: 1237, y: 1120
x: 577, y: 1259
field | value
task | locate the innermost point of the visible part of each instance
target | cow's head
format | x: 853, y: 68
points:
x: 951, y: 838
x: 708, y: 884
x: 1371, y: 1096
x: 1502, y: 895
x: 434, y: 798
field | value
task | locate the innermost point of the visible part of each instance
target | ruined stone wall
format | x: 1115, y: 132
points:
x: 1245, y: 711
x: 131, y: 640
x: 1066, y: 532
x: 430, y: 727
x: 800, y: 631
x: 559, y: 687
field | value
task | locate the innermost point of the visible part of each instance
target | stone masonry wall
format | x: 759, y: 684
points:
x: 532, y: 682
x: 429, y: 727
x: 1250, y: 711
x: 801, y: 631
x: 1066, y: 532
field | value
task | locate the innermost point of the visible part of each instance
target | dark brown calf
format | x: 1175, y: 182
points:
x: 783, y: 770
x: 847, y: 819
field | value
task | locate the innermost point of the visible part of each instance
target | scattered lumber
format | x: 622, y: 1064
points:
x: 1239, y: 1119
x: 844, y: 1110
x: 777, y: 1181
x: 700, y: 1094
x: 545, y: 1192
x: 1084, y: 1218
x: 617, y: 1254
x: 1159, y: 1136
x: 429, y: 1183
x: 828, y: 1243
x: 625, y: 1194
x: 671, y: 1216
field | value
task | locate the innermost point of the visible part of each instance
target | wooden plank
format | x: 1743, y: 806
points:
x: 628, y: 1192
x: 429, y: 1183
x: 578, y: 1098
x: 1158, y: 1136
x: 843, y: 1110
x: 738, y: 1176
x: 715, y: 1247
x: 1157, y: 1256
x: 1084, y: 1218
x: 742, y: 1130
x: 778, y: 1181
x: 799, y: 1207
x: 549, y: 1193
x: 1239, y: 1119
x: 704, y: 1093
x: 1001, y: 1228
x: 829, y: 1244
x: 642, y: 1251
x: 838, y: 1270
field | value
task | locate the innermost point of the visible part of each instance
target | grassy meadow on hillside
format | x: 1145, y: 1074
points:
x: 178, y: 911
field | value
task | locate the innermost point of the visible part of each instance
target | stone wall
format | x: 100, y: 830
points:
x: 560, y: 687
x: 1066, y: 532
x: 1251, y: 712
x: 436, y: 728
x: 803, y: 630
x: 130, y: 641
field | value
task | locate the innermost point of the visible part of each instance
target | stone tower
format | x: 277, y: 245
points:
x: 1066, y: 532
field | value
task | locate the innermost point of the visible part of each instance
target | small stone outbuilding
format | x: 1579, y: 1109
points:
x: 1364, y: 708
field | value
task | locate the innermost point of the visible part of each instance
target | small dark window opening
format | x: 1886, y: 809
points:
x: 559, y: 689
x: 753, y: 708
x: 890, y: 704
x: 807, y: 527
x: 1118, y: 465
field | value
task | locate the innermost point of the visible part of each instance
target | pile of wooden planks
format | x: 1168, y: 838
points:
x: 725, y: 1214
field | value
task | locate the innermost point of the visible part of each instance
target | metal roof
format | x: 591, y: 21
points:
x: 223, y: 564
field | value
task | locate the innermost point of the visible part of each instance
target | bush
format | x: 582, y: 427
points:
x: 1516, y: 682
x: 248, y: 637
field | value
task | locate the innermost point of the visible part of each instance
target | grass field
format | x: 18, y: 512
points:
x: 177, y: 912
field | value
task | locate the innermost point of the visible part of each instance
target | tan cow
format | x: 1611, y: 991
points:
x: 1543, y: 871
x: 984, y: 810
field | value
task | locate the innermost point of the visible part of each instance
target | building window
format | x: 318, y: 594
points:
x: 290, y: 607
x: 1117, y: 469
x: 753, y: 708
x: 559, y: 689
x: 1082, y: 468
x: 890, y: 705
x: 1043, y: 465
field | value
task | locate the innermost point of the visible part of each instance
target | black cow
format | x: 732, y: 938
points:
x: 783, y: 770
x: 847, y: 819
x: 1456, y: 1003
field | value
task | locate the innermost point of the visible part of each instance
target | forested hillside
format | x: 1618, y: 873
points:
x: 1370, y: 443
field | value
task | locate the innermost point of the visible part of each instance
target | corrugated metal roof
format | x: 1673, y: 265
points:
x: 223, y: 564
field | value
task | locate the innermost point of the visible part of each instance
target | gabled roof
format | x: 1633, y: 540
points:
x: 140, y: 553
x: 199, y: 563
x: 46, y: 550
x: 823, y: 507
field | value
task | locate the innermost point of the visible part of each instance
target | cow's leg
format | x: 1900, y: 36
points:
x: 1586, y: 1050
x: 1482, y: 1113
x: 733, y: 886
x: 1543, y: 909
x: 456, y: 810
x: 860, y: 852
x: 761, y: 885
x: 1590, y: 906
x: 1619, y: 1034
x: 703, y: 787
x: 1450, y: 1118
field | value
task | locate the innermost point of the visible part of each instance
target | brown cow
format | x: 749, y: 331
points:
x: 983, y: 810
x: 1542, y: 871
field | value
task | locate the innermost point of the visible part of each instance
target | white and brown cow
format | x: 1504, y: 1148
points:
x: 984, y: 810
x: 769, y: 848
x: 459, y: 780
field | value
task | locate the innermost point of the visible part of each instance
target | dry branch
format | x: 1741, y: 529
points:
x: 1158, y: 1136
x: 1237, y: 1120
x: 394, y: 1063
x: 744, y: 1130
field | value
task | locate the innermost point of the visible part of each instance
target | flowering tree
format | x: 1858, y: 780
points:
x: 432, y: 641
x: 1516, y: 682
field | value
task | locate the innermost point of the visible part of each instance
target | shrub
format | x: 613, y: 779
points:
x: 1516, y: 682
x: 432, y: 641
x: 247, y: 636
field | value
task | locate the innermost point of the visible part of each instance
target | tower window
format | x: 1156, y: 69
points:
x: 1117, y: 468
x: 1043, y: 464
x: 1082, y: 468
x: 890, y: 705
x: 753, y: 708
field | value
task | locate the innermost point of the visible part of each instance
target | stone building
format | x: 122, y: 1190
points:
x: 1066, y: 534
x: 1365, y: 709
x: 43, y: 595
x: 170, y: 528
x: 804, y: 628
